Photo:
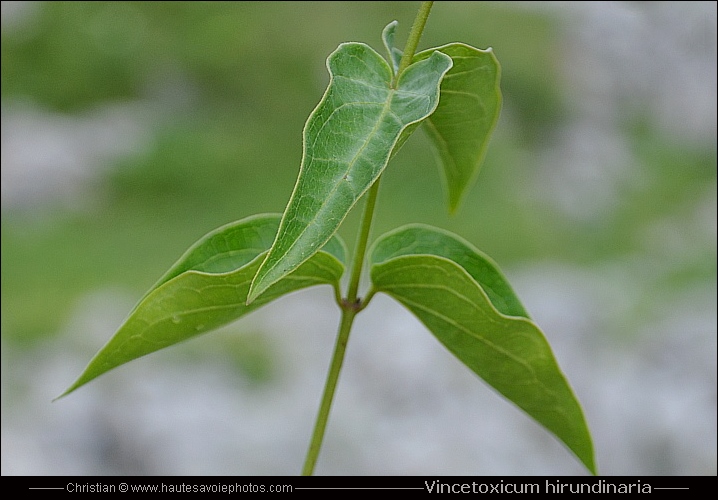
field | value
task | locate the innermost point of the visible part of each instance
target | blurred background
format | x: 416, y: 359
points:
x: 131, y: 129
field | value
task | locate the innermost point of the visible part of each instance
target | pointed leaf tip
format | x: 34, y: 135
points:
x: 468, y: 111
x: 464, y: 300
x: 207, y: 288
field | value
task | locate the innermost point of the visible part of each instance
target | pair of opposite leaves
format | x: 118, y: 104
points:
x: 456, y: 291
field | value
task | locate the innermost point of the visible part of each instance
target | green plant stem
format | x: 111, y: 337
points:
x: 351, y: 305
x: 331, y: 384
x: 413, y: 41
x: 362, y: 241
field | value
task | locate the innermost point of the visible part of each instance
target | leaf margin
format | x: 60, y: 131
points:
x: 261, y: 282
x: 99, y: 364
x: 579, y: 440
x: 456, y: 195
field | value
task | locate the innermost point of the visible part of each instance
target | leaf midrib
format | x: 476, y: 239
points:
x: 386, y: 109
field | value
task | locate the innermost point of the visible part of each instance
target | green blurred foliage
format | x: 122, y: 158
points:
x: 238, y: 80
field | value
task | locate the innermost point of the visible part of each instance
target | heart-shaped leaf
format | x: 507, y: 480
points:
x: 207, y: 288
x: 465, y: 301
x: 348, y: 140
x: 467, y: 114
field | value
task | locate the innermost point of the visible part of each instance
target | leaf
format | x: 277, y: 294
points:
x: 464, y: 300
x: 207, y: 288
x: 467, y: 114
x: 420, y: 239
x: 348, y: 140
x: 387, y: 36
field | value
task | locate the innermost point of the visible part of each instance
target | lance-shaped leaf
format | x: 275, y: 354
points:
x: 207, y: 288
x: 348, y: 140
x: 467, y: 114
x: 465, y: 301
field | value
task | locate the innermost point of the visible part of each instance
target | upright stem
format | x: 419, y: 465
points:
x: 331, y: 384
x: 362, y: 241
x: 352, y: 304
x: 413, y: 41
